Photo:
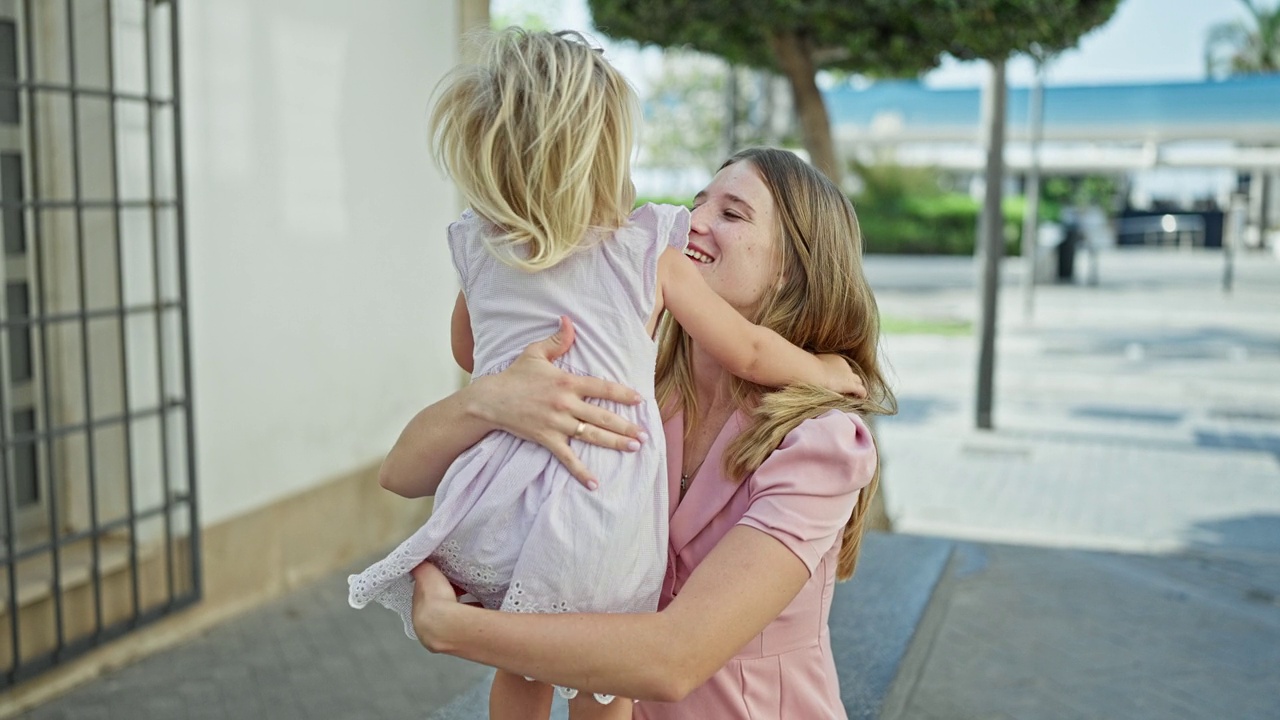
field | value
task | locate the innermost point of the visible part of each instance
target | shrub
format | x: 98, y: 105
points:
x: 942, y: 224
x: 904, y: 216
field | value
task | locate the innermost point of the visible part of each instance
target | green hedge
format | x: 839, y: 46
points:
x: 944, y: 224
x: 665, y: 200
x: 928, y: 224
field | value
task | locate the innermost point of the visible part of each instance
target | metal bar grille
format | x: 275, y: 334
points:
x: 86, y: 92
x: 51, y: 500
x: 88, y: 204
x: 56, y: 318
x: 180, y: 227
x: 134, y: 582
x: 149, y: 72
x: 100, y: 531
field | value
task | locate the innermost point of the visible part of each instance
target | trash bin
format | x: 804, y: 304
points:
x: 1066, y: 253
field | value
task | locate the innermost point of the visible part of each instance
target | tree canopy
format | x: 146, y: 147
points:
x: 797, y: 38
x: 1236, y: 48
x: 997, y: 29
x: 870, y: 36
x: 873, y: 37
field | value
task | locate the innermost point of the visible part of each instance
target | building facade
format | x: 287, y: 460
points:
x: 226, y: 290
x: 1174, y: 144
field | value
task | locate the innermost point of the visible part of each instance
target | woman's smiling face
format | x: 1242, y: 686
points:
x: 734, y: 237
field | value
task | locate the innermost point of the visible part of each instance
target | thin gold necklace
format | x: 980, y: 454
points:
x: 685, y: 477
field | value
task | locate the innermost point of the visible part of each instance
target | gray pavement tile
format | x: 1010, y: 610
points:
x: 307, y: 655
x: 1093, y: 448
x: 1084, y: 634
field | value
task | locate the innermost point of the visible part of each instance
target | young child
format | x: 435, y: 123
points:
x: 539, y: 138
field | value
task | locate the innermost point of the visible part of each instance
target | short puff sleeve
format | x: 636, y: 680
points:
x: 663, y: 226
x: 669, y: 224
x: 463, y: 241
x: 804, y: 492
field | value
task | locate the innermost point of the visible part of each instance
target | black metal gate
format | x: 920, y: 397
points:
x: 98, y: 508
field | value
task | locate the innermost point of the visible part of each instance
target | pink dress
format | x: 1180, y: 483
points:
x: 802, y: 495
x: 511, y: 526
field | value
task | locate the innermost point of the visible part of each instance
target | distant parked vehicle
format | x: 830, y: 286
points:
x: 1170, y: 229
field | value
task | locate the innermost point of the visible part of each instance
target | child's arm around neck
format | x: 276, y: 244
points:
x: 749, y: 351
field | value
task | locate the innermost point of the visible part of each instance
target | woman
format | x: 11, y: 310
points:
x: 768, y: 491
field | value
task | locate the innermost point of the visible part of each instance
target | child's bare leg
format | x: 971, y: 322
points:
x: 514, y: 698
x: 586, y: 707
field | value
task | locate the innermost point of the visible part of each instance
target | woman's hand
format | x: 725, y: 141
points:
x: 531, y: 399
x: 537, y: 401
x: 432, y: 596
x: 841, y: 378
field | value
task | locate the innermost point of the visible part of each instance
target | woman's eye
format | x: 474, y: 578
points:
x: 732, y: 215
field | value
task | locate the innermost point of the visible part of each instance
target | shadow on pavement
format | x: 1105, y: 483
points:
x: 1246, y: 532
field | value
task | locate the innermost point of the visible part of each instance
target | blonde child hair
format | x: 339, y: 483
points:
x: 538, y: 135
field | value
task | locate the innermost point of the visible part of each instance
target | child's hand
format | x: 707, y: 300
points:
x: 840, y: 376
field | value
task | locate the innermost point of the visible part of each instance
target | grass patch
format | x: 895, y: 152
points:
x: 918, y: 326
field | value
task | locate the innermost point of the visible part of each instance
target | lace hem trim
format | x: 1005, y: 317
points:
x: 569, y: 693
x: 477, y: 579
x: 518, y: 601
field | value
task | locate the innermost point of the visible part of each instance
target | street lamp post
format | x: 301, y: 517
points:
x: 1031, y: 220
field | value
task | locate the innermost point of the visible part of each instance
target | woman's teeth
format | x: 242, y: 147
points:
x: 700, y: 257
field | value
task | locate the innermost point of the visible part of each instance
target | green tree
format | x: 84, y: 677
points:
x: 993, y: 30
x: 998, y: 29
x: 798, y: 38
x: 684, y: 113
x: 1235, y: 48
x: 875, y: 37
x: 795, y: 39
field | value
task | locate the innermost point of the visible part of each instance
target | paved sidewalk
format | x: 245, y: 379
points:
x: 1052, y: 634
x: 1139, y: 416
x: 1026, y: 633
x: 305, y: 656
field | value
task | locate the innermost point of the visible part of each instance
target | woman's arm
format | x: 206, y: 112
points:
x: 801, y: 497
x: 531, y: 399
x: 739, y: 588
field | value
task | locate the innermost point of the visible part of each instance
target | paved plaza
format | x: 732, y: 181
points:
x: 1140, y: 415
x: 1118, y: 533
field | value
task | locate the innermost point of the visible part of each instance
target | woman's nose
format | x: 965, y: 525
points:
x: 698, y: 220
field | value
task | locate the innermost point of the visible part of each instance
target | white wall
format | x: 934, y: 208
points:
x: 319, y: 275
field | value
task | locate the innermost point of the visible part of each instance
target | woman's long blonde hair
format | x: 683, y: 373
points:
x: 823, y: 304
x: 538, y: 135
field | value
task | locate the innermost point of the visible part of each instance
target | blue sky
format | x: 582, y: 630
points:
x: 1145, y: 41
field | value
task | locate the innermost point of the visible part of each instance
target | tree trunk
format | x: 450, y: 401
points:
x: 1264, y: 210
x: 1030, y: 219
x: 991, y: 241
x: 730, y: 110
x: 795, y: 59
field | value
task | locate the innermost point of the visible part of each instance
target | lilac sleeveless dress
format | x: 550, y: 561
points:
x: 511, y: 525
